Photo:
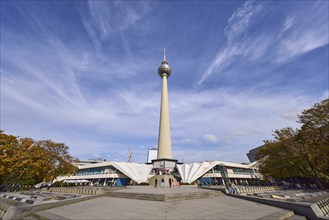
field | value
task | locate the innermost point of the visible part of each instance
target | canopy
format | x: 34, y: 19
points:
x: 76, y: 181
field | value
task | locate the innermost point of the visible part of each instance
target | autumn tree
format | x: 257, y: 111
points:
x: 301, y: 152
x: 26, y: 161
x: 8, y: 148
x: 59, y: 158
x: 313, y: 138
x: 278, y: 155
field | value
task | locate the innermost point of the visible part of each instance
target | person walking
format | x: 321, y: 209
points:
x: 130, y: 183
x: 229, y: 187
x: 162, y: 183
x: 235, y: 189
x: 156, y: 183
x: 170, y: 182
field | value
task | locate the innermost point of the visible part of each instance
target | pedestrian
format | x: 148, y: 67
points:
x: 198, y: 183
x: 229, y: 187
x: 130, y: 183
x: 162, y: 183
x: 170, y: 182
x: 235, y: 189
x: 155, y: 183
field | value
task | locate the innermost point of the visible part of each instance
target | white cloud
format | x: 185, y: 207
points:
x: 289, y: 22
x: 237, y: 26
x: 300, y: 33
x: 184, y: 141
x: 221, y: 60
x: 291, y: 115
x: 99, y: 12
x: 300, y: 43
x: 109, y: 16
x: 325, y: 95
x: 210, y: 138
x: 239, y: 21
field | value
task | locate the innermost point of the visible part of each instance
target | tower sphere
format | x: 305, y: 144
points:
x: 164, y: 69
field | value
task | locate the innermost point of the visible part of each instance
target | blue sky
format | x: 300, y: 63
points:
x: 85, y: 73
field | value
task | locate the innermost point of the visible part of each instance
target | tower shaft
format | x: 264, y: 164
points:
x: 164, y: 144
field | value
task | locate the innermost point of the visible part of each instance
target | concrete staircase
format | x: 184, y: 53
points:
x: 166, y: 179
x: 296, y: 217
x: 165, y: 197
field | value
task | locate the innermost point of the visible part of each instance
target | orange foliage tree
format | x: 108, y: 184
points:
x: 26, y: 161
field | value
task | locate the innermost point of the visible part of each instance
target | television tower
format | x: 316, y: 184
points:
x: 164, y: 141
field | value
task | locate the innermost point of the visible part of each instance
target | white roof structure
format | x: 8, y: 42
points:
x: 136, y: 171
x: 191, y: 172
x: 140, y: 173
x: 76, y: 181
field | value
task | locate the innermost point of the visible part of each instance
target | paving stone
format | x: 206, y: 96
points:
x: 278, y: 197
x: 223, y: 207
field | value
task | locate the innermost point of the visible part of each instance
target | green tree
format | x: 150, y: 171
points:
x: 26, y: 161
x: 59, y: 158
x: 278, y: 155
x: 313, y: 138
x: 302, y: 152
x: 8, y: 149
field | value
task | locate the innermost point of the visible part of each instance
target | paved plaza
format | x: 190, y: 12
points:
x: 159, y: 190
x: 117, y: 208
x: 223, y: 207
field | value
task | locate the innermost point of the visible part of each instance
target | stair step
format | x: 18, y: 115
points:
x: 280, y: 215
x: 164, y: 197
x: 296, y: 217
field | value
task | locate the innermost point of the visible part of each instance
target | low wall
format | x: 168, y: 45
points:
x: 247, y: 189
x: 324, y: 206
x: 19, y: 212
x: 311, y: 211
x: 78, y: 191
x: 3, y: 209
x: 257, y: 189
x: 9, y: 211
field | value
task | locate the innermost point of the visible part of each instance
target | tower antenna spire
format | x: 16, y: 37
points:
x: 164, y: 54
x: 130, y: 154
